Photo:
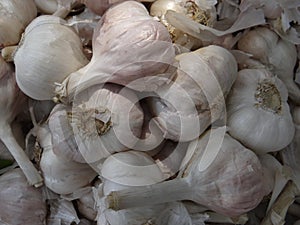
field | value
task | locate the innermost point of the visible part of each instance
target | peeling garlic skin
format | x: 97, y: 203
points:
x: 258, y: 112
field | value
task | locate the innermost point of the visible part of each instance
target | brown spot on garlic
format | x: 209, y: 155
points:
x: 268, y: 97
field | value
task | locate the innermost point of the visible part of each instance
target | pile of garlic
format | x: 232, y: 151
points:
x: 161, y: 112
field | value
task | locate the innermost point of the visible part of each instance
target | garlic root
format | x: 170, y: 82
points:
x: 31, y: 173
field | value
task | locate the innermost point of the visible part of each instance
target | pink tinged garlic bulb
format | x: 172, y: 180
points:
x: 277, y: 55
x: 197, y: 97
x: 231, y: 185
x: 106, y: 119
x: 130, y: 48
x: 40, y: 58
x: 258, y: 112
x: 63, y: 140
x: 20, y: 202
x: 12, y: 101
x: 15, y: 16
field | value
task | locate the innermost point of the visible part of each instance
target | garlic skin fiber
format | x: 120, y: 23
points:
x: 15, y: 16
x: 20, y: 202
x: 258, y: 112
x: 40, y: 57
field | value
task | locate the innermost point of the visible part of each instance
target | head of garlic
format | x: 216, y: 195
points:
x: 105, y: 119
x: 40, y: 58
x: 196, y: 98
x: 258, y: 112
x: 202, y: 12
x: 277, y: 55
x: 20, y: 202
x: 15, y: 16
x: 130, y: 48
x: 218, y: 172
x: 61, y: 176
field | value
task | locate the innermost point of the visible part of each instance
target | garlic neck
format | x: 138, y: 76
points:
x: 268, y: 97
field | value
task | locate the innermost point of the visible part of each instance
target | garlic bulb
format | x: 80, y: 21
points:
x: 196, y: 98
x: 87, y: 206
x: 231, y: 184
x: 106, y: 119
x: 63, y: 141
x: 15, y: 16
x: 272, y: 8
x: 129, y: 48
x: 12, y: 101
x: 20, y: 202
x: 124, y: 170
x: 40, y: 57
x: 202, y: 12
x: 258, y: 112
x: 62, y: 177
x: 278, y: 56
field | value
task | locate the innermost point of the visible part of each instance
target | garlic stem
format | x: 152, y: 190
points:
x: 8, y: 53
x: 280, y: 207
x: 149, y: 195
x: 31, y: 173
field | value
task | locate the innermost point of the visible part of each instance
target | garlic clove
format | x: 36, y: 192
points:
x: 258, y: 114
x: 40, y: 57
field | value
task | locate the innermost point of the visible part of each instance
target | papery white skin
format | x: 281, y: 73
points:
x: 20, y: 202
x: 231, y: 184
x: 62, y: 212
x: 127, y: 169
x: 261, y: 130
x: 84, y: 24
x: 63, y: 141
x: 87, y: 206
x: 197, y: 97
x: 278, y: 55
x: 128, y: 45
x: 40, y: 57
x: 200, y: 11
x: 61, y: 176
x: 106, y: 119
x: 15, y: 16
x: 46, y: 7
x: 271, y: 8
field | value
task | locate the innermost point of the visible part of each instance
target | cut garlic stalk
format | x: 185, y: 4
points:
x: 12, y: 101
x: 231, y: 184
